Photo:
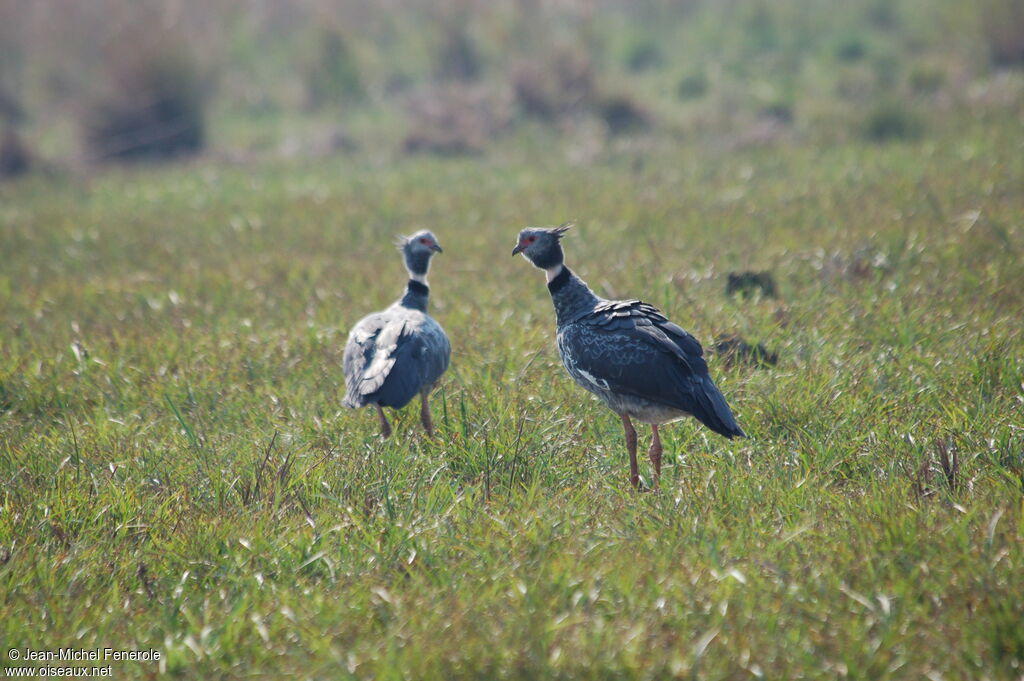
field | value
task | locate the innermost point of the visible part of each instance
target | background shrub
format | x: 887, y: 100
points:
x: 692, y: 86
x: 551, y: 86
x: 334, y: 76
x: 926, y: 79
x: 777, y: 109
x: 15, y: 158
x: 622, y: 114
x: 892, y: 120
x: 852, y: 48
x: 644, y: 56
x: 1002, y: 23
x: 455, y: 118
x: 10, y: 108
x: 458, y: 58
x: 153, y: 108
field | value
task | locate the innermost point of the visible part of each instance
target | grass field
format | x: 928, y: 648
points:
x: 178, y: 473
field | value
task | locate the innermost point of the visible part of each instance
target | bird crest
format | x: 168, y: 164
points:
x: 563, y: 228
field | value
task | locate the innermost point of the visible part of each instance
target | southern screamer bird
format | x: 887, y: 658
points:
x: 394, y: 354
x: 641, y: 365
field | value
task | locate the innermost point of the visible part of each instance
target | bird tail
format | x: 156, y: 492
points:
x: 353, y: 400
x: 717, y: 415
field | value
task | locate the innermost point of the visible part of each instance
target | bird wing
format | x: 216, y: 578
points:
x: 640, y: 317
x: 629, y: 347
x: 437, y: 351
x: 421, y: 355
x: 374, y: 345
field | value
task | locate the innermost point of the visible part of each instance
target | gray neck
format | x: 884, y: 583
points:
x: 571, y: 296
x: 416, y: 295
x: 417, y: 262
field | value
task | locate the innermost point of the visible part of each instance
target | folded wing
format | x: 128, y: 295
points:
x: 630, y: 348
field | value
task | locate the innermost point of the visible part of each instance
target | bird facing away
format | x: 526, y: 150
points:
x: 626, y: 352
x: 393, y: 354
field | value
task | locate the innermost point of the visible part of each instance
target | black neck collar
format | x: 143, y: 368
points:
x: 560, y: 280
x: 416, y: 287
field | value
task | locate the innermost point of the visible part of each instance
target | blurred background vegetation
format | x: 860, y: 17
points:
x: 104, y: 80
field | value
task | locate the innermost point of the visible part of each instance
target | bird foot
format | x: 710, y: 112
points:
x: 640, y: 486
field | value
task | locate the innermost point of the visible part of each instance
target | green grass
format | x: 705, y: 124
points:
x: 178, y: 473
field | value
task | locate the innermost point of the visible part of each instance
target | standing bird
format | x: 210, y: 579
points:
x: 627, y: 353
x: 394, y: 354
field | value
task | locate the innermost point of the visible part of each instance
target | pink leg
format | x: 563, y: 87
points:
x: 655, y: 453
x: 428, y: 423
x: 385, y: 427
x: 634, y: 470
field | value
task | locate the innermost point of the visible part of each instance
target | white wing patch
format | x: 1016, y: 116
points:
x: 383, y: 359
x: 599, y: 382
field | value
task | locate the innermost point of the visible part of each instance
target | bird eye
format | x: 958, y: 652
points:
x: 425, y: 241
x: 530, y: 239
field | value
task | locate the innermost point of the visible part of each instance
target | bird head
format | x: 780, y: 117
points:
x: 417, y: 250
x: 540, y: 245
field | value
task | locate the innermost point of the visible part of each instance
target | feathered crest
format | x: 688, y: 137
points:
x: 401, y: 241
x: 563, y: 228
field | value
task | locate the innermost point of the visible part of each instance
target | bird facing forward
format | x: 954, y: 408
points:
x: 641, y: 365
x: 394, y: 354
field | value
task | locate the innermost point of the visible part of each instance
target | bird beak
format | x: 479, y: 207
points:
x: 436, y: 247
x: 518, y: 249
